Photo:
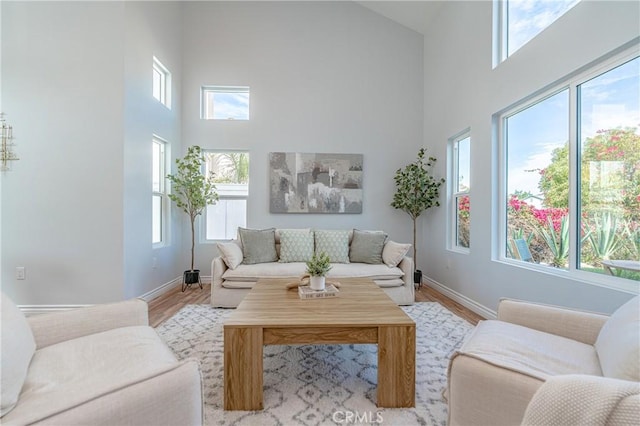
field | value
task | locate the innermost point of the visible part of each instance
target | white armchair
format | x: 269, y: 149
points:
x: 101, y: 365
x: 494, y: 376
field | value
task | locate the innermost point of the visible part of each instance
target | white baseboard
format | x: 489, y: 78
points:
x: 150, y: 295
x: 476, y: 307
x: 147, y: 297
x: 29, y: 310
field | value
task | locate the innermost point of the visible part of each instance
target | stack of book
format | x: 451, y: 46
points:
x: 305, y: 292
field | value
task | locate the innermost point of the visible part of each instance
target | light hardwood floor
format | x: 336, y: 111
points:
x: 166, y: 305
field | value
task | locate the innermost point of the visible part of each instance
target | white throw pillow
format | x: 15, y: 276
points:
x: 296, y: 245
x: 18, y: 347
x: 618, y: 344
x: 393, y: 252
x: 231, y: 254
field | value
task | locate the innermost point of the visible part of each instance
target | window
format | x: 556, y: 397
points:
x: 225, y: 103
x: 159, y: 194
x: 521, y: 20
x: 161, y: 83
x: 231, y: 175
x: 572, y: 181
x: 460, y: 147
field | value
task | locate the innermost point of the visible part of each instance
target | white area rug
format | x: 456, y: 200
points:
x: 321, y: 384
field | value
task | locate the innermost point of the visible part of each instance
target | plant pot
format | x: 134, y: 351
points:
x: 417, y: 277
x: 191, y: 277
x: 316, y: 283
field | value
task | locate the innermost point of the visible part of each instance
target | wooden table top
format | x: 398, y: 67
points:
x: 360, y: 303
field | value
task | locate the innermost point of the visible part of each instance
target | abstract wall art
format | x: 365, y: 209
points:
x: 315, y: 183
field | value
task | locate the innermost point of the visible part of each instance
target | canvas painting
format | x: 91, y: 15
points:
x: 315, y: 183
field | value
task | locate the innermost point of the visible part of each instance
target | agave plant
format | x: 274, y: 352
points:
x: 603, y: 237
x: 557, y: 240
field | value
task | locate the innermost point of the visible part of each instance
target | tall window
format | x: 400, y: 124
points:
x: 522, y: 20
x: 161, y: 88
x: 158, y: 191
x: 461, y: 187
x: 572, y: 190
x: 225, y: 103
x: 231, y: 175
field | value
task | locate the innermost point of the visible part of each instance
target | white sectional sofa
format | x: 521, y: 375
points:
x: 232, y: 277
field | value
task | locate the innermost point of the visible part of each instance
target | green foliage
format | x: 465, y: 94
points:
x: 617, y: 187
x: 557, y: 241
x: 319, y: 264
x: 554, y: 180
x: 603, y: 236
x: 416, y: 190
x: 232, y: 167
x: 190, y: 189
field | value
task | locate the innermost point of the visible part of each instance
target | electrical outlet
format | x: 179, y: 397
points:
x: 20, y: 273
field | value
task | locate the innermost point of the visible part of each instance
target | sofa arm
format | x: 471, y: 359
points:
x: 573, y: 324
x: 49, y: 329
x: 218, y: 267
x: 406, y: 266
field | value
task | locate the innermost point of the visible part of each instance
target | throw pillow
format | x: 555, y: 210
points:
x: 617, y: 344
x: 258, y: 245
x: 334, y: 243
x: 18, y: 347
x: 393, y: 253
x: 231, y: 254
x: 366, y: 246
x: 296, y: 245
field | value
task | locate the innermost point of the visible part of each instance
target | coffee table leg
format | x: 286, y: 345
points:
x: 397, y: 367
x: 243, y: 368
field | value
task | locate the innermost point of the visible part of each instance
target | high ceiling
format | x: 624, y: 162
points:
x: 416, y: 15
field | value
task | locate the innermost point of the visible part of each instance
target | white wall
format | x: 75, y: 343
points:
x: 462, y: 90
x: 152, y: 28
x: 76, y: 209
x: 324, y: 77
x: 62, y: 92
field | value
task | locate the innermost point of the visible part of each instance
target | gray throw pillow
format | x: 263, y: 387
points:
x: 258, y: 245
x: 366, y: 246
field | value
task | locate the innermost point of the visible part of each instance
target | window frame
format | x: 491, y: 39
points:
x: 165, y: 83
x: 501, y: 30
x: 204, y: 221
x: 571, y: 82
x: 162, y: 193
x: 454, y: 193
x: 223, y: 89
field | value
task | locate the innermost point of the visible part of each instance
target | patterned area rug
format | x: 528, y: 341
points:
x: 321, y: 384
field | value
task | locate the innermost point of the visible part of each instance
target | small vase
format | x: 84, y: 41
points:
x: 316, y: 283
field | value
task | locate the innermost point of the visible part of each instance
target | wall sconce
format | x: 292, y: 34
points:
x: 6, y: 153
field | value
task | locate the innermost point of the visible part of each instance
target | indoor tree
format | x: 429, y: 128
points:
x: 192, y: 191
x: 416, y: 191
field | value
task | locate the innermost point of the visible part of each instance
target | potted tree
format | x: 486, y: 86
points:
x: 416, y: 191
x: 192, y: 191
x: 317, y: 268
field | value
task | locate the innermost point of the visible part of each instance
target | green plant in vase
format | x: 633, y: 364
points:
x: 317, y: 268
x: 192, y: 191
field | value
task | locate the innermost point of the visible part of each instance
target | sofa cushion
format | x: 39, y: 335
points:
x: 265, y: 270
x: 389, y: 283
x: 618, y: 344
x: 333, y: 242
x: 393, y: 253
x: 366, y: 246
x: 531, y: 352
x: 231, y: 254
x: 18, y: 347
x: 297, y: 269
x: 296, y: 245
x: 258, y: 245
x: 67, y: 374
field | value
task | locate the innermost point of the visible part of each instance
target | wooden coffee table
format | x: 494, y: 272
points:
x: 362, y: 313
